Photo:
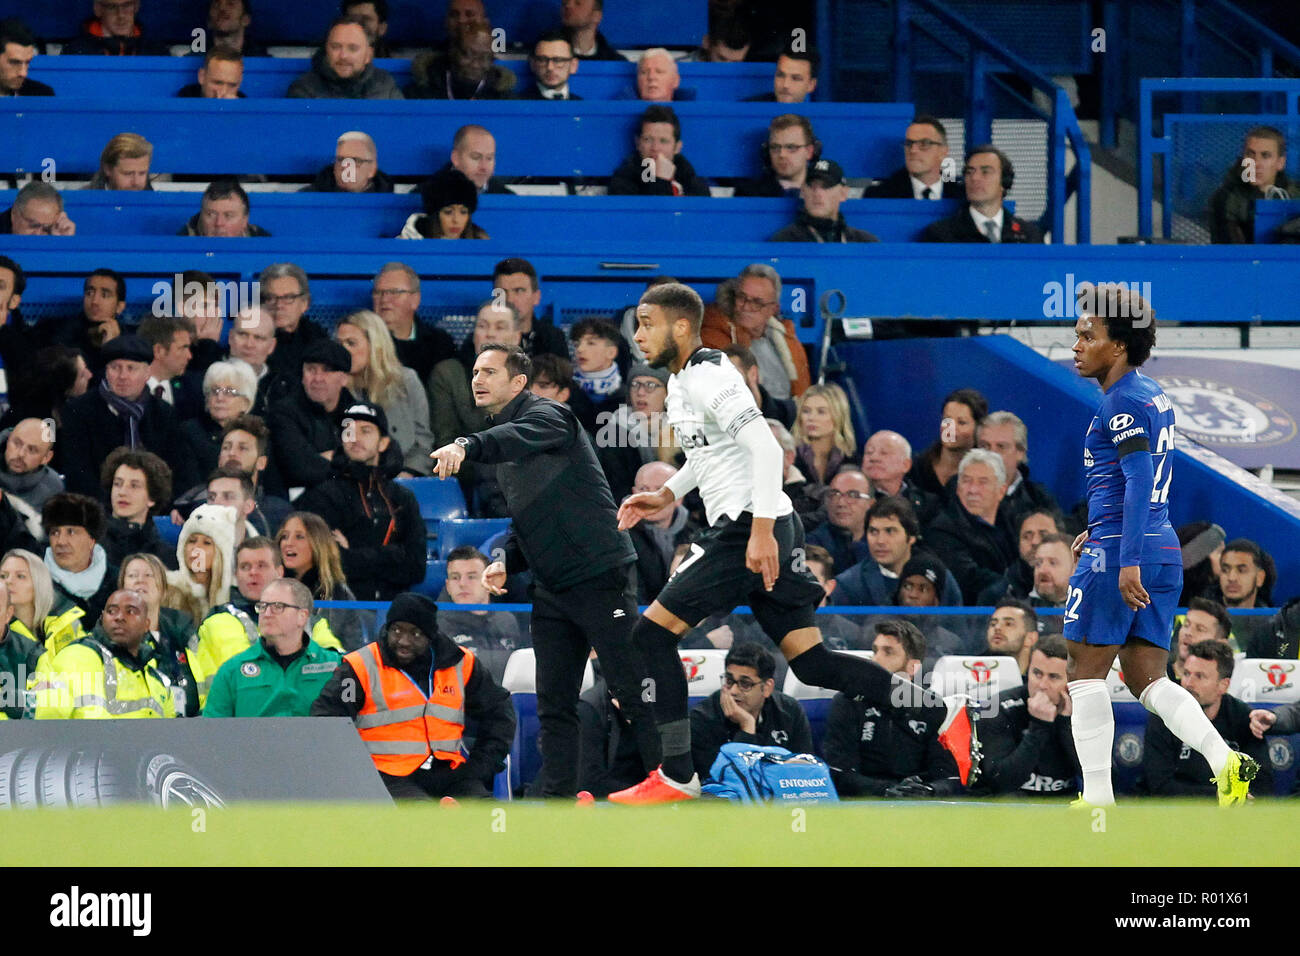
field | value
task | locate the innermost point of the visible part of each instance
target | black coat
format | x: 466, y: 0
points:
x: 604, y: 50
x: 961, y: 228
x: 545, y: 338
x: 429, y: 347
x: 122, y: 538
x: 381, y: 520
x: 486, y: 704
x: 194, y: 91
x: 93, y: 605
x: 978, y: 554
x: 900, y: 743
x: 301, y: 430
x: 324, y: 182
x: 564, y: 524
x: 781, y: 723
x: 1024, y: 755
x: 626, y: 180
x: 806, y: 228
x: 202, y: 438
x: 1172, y: 769
x: 534, y: 92
x: 286, y: 360
x: 94, y: 431
x: 898, y: 185
x: 767, y: 185
x: 32, y: 87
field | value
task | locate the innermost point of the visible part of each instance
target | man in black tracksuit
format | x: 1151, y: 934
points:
x: 1028, y: 745
x: 889, y: 751
x: 565, y: 530
x: 376, y: 521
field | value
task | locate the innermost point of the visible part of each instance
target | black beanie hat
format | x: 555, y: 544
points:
x: 926, y: 566
x: 410, y: 608
x: 449, y: 187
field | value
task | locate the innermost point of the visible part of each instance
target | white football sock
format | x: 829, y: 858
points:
x: 1093, y: 727
x: 1186, y: 720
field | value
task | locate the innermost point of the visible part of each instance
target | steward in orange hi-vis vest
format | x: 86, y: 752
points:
x: 409, y: 694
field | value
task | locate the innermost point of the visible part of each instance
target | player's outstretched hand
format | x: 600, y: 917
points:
x: 1261, y: 721
x: 494, y: 578
x: 642, y: 505
x: 447, y: 460
x: 1077, y: 547
x: 761, y: 557
x: 1131, y: 589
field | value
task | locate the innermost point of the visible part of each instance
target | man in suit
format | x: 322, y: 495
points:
x: 170, y: 339
x: 925, y: 147
x: 553, y: 63
x: 121, y: 411
x: 988, y: 176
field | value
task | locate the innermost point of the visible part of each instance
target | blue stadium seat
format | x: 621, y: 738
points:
x: 454, y: 532
x: 435, y: 576
x: 438, y: 498
x: 520, y: 680
x: 170, y: 533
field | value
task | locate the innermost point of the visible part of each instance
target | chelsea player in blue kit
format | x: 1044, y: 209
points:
x: 1125, y: 589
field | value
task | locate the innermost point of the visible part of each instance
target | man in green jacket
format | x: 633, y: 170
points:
x: 281, y: 674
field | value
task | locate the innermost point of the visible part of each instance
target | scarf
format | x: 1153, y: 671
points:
x: 599, y: 384
x: 80, y: 584
x: 125, y: 408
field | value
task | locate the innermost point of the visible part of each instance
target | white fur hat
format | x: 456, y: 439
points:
x: 218, y: 523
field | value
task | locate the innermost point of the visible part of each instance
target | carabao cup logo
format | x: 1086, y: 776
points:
x: 1277, y: 674
x: 980, y: 671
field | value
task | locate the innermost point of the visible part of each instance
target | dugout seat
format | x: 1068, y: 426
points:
x: 520, y: 680
x: 980, y: 677
x: 454, y: 532
x: 1260, y: 680
x: 435, y: 576
x: 1130, y: 732
x: 439, y: 500
x: 704, y: 670
x: 816, y: 701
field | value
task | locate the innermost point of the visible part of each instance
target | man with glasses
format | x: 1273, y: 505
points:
x: 925, y: 147
x: 553, y: 63
x: 286, y: 296
x: 355, y: 168
x: 758, y: 326
x: 37, y: 211
x: 114, y: 31
x: 844, y: 534
x: 410, y: 694
x: 395, y: 296
x: 283, y: 672
x: 790, y: 148
x: 747, y: 709
x: 988, y: 178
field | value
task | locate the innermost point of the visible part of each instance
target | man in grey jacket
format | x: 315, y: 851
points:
x: 344, y: 67
x: 26, y: 474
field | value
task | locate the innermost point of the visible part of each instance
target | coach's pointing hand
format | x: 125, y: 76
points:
x: 1131, y: 589
x: 447, y: 460
x: 642, y: 505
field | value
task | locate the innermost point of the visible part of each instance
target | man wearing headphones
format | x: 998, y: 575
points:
x: 988, y: 178
x: 789, y: 148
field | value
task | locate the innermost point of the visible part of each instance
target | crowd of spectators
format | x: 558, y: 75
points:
x: 279, y: 445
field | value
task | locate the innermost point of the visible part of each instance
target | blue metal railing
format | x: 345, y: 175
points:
x: 987, y: 59
x: 1239, y: 39
x: 1152, y: 146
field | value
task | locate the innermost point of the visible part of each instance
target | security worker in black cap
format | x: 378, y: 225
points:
x: 375, y: 521
x: 305, y: 425
x: 119, y: 412
x: 820, y: 220
x: 410, y: 694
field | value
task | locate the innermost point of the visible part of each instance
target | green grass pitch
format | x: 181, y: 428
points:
x: 531, y: 834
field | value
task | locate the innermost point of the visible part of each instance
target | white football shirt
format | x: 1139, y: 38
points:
x: 708, y: 403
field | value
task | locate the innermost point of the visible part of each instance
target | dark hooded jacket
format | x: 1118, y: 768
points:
x: 627, y: 180
x: 432, y: 79
x: 321, y: 82
x: 302, y: 430
x: 1232, y: 206
x: 807, y: 228
x: 324, y: 182
x: 381, y: 520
